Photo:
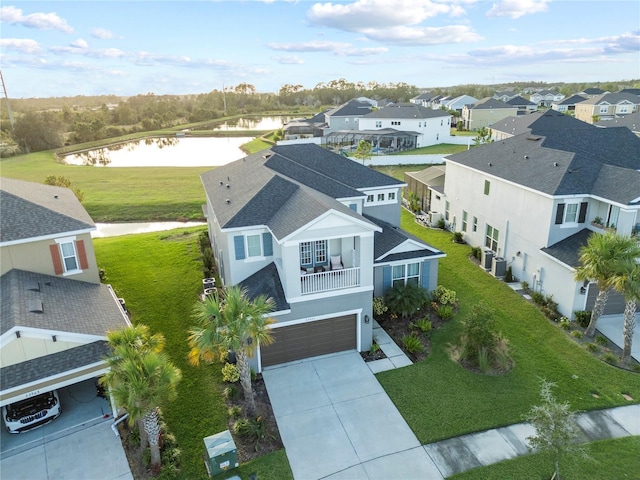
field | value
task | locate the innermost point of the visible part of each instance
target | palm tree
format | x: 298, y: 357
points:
x: 601, y: 260
x: 232, y: 322
x: 142, y: 379
x: 629, y: 285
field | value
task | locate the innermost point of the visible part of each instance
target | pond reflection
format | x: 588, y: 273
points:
x: 155, y: 152
x: 247, y: 123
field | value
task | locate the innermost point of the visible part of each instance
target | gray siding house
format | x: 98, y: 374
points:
x: 318, y: 233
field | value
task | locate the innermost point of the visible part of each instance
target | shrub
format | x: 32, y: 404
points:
x: 508, y: 276
x: 445, y: 312
x: 441, y: 224
x: 374, y: 348
x: 537, y: 298
x: 503, y: 360
x: 592, y: 347
x: 576, y: 334
x: 564, y: 323
x: 583, y: 317
x: 404, y: 300
x: 478, y: 330
x: 483, y: 360
x: 458, y: 237
x: 600, y: 340
x: 445, y: 296
x: 424, y: 325
x: 235, y: 412
x: 230, y: 373
x: 255, y: 428
x: 379, y: 307
x: 525, y: 286
x: 476, y: 252
x: 230, y: 392
x: 610, y: 357
x: 412, y: 344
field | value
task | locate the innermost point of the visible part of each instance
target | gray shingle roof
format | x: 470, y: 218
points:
x: 568, y: 250
x: 33, y: 210
x: 538, y: 121
x: 564, y: 161
x: 391, y: 238
x: 266, y: 281
x: 407, y: 111
x: 353, y: 108
x: 489, y: 104
x: 53, y: 364
x: 572, y: 100
x: 631, y: 121
x: 613, y: 99
x: 519, y: 101
x: 68, y: 305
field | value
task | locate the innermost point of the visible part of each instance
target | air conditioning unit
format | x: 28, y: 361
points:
x: 434, y: 217
x: 498, y: 267
x: 487, y: 257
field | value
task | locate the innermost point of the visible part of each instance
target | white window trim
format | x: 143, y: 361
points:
x: 565, y: 222
x: 72, y: 241
x: 406, y: 276
x: 385, y: 195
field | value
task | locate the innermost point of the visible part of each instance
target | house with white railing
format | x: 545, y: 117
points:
x: 319, y: 234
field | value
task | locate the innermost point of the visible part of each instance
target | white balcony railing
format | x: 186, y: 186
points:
x: 331, y: 280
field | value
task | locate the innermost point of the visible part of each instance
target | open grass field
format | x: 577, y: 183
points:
x: 160, y: 276
x: 439, y: 399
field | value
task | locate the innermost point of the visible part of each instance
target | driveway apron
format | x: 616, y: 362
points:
x: 336, y: 421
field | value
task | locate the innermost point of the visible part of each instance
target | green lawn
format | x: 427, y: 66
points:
x: 439, y: 399
x: 160, y: 276
x: 610, y: 459
x: 442, y: 149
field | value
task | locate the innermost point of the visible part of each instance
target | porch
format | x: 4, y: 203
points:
x: 325, y: 281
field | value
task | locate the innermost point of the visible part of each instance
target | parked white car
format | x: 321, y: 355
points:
x: 31, y: 412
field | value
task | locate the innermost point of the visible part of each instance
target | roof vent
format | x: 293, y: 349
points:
x: 55, y: 196
x: 35, y: 306
x: 33, y: 285
x: 489, y: 164
x: 526, y: 157
x: 555, y: 164
x: 228, y: 186
x: 221, y: 182
x: 228, y: 201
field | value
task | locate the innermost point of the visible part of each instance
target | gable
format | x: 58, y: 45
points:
x: 35, y: 344
x: 332, y: 224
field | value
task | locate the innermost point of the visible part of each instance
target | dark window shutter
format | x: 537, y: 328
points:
x: 386, y: 278
x: 560, y: 213
x: 57, y: 261
x: 267, y: 244
x: 424, y: 275
x: 353, y: 206
x: 583, y: 212
x: 82, y: 254
x: 238, y: 242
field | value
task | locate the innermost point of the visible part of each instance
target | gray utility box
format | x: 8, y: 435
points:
x: 485, y: 261
x: 220, y: 453
x: 498, y: 267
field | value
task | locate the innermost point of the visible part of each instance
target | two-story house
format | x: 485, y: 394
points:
x: 318, y: 233
x: 347, y: 115
x: 523, y: 105
x: 458, y: 102
x: 544, y: 98
x: 512, y: 126
x: 55, y: 313
x: 568, y: 104
x: 530, y: 200
x: 485, y: 112
x: 432, y: 126
x: 425, y: 99
x: 607, y: 106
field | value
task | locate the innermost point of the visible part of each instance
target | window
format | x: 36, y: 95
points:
x: 313, y: 253
x: 464, y: 221
x: 437, y: 136
x: 624, y: 109
x: 419, y: 124
x: 395, y: 122
x: 69, y: 257
x: 447, y: 205
x: 475, y: 224
x: 346, y: 120
x: 491, y: 238
x: 254, y: 248
x: 441, y: 122
x: 378, y: 124
x: 487, y: 187
x: 381, y: 197
x: 391, y: 196
x: 305, y: 253
x: 404, y: 274
x: 604, y: 109
x: 369, y: 198
x: 320, y: 251
x: 571, y: 213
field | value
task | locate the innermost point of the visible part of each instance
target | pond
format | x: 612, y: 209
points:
x: 248, y: 123
x: 164, y: 152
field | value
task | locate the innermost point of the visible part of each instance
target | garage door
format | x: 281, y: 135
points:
x: 310, y: 339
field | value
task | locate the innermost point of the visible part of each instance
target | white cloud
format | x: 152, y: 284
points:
x: 24, y: 45
x: 425, y: 35
x: 79, y: 43
x: 41, y: 21
x: 517, y: 8
x: 289, y: 60
x: 337, y: 48
x: 376, y: 14
x: 102, y: 33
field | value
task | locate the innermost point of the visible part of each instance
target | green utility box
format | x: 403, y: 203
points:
x: 220, y: 453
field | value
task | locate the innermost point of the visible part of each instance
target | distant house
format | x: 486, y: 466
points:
x: 424, y: 99
x: 512, y: 126
x: 523, y: 105
x: 432, y: 126
x: 592, y: 92
x: 607, y: 106
x: 544, y: 98
x: 631, y: 121
x: 458, y: 103
x: 485, y: 112
x: 55, y: 312
x: 347, y: 116
x: 428, y: 186
x: 505, y: 96
x: 318, y: 233
x: 568, y: 104
x: 529, y: 201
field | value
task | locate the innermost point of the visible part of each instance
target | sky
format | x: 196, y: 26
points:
x: 68, y: 48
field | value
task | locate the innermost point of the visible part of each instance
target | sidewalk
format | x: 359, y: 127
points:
x: 459, y: 454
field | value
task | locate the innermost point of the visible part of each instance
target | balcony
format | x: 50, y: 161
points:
x: 332, y: 280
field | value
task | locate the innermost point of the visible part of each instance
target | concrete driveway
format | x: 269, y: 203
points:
x: 337, y: 422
